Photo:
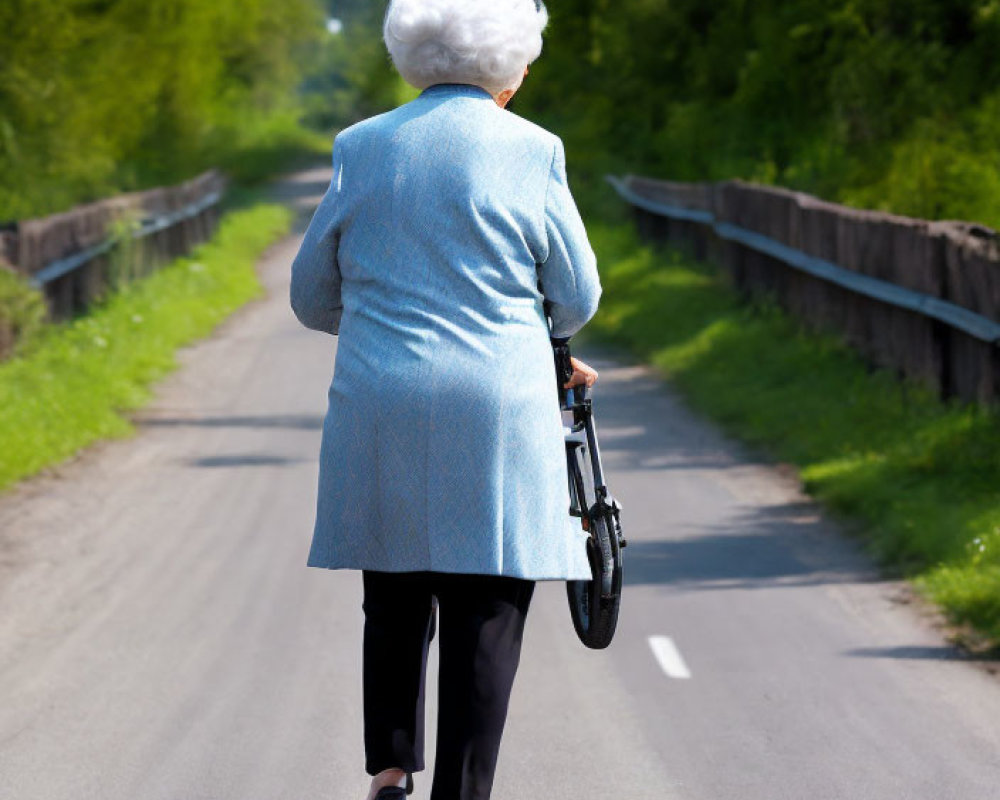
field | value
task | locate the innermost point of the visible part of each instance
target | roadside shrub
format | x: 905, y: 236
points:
x: 22, y: 311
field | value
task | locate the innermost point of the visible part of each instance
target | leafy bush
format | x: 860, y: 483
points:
x: 22, y: 311
x: 879, y: 103
x: 96, y: 98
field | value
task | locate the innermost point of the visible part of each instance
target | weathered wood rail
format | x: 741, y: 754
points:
x: 919, y: 297
x: 75, y: 255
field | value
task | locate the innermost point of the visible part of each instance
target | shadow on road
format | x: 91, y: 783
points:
x: 731, y: 528
x: 293, y: 421
x: 759, y: 549
x: 244, y: 460
x: 922, y: 653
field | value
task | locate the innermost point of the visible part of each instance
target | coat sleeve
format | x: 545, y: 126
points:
x: 315, y: 287
x: 569, y: 278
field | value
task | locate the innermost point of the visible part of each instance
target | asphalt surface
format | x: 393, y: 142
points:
x: 162, y: 639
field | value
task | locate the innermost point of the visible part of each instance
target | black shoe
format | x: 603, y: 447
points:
x: 391, y: 793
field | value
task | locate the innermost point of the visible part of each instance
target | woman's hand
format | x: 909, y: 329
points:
x: 582, y: 373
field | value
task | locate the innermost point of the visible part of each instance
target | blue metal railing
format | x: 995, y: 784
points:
x: 951, y: 314
x: 150, y: 225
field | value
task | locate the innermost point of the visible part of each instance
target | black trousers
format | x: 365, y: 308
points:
x: 481, y: 621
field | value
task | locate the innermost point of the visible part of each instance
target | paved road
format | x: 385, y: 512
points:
x: 162, y: 639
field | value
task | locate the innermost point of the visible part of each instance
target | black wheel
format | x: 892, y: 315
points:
x: 595, y: 617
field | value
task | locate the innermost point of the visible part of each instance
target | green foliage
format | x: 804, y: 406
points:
x: 22, y: 311
x: 881, y: 103
x: 98, y: 97
x: 68, y: 385
x: 921, y: 476
x: 352, y: 77
x: 259, y: 148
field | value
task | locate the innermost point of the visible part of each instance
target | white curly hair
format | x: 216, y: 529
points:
x: 484, y: 42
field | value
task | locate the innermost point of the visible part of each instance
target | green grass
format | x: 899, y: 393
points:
x: 919, y: 477
x: 70, y: 382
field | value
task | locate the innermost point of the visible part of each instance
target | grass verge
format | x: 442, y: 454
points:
x: 921, y: 476
x: 68, y: 385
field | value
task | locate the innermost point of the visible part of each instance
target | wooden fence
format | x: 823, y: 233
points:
x: 919, y: 297
x: 74, y: 256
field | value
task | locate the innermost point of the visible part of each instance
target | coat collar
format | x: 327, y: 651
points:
x: 464, y: 89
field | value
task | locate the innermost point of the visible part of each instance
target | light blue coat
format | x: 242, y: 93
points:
x: 442, y: 445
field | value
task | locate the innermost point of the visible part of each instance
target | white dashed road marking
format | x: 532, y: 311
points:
x: 669, y: 657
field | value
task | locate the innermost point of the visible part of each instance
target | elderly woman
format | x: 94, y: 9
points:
x: 447, y: 224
